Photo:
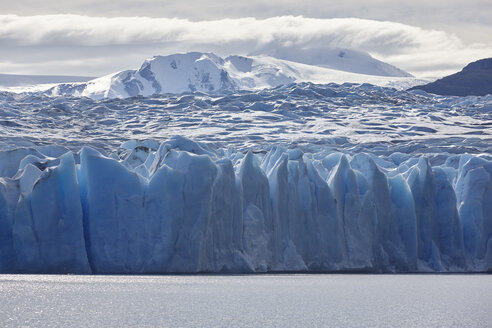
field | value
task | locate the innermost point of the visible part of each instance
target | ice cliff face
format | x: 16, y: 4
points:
x: 180, y: 206
x: 301, y: 177
x: 206, y: 72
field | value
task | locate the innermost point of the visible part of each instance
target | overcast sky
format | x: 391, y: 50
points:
x: 422, y: 37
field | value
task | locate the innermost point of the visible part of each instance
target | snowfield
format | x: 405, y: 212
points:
x: 301, y: 177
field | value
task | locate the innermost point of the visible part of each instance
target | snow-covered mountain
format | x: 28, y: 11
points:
x: 32, y: 83
x: 207, y: 72
x: 347, y: 60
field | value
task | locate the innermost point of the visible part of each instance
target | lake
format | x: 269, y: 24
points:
x: 325, y: 300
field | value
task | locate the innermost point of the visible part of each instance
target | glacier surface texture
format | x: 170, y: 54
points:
x: 298, y: 178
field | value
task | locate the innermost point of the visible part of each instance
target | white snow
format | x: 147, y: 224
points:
x: 207, y: 72
x: 340, y: 59
x: 35, y: 83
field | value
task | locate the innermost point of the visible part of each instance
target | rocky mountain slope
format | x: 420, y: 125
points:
x: 473, y: 80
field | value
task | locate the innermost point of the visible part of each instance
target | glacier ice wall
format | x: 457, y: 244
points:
x: 181, y: 207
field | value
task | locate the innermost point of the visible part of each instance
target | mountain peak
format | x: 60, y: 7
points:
x: 343, y: 59
x: 207, y: 72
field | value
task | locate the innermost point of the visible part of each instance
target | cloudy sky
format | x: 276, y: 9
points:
x: 92, y: 38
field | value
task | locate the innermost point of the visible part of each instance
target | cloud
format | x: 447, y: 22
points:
x: 71, y: 38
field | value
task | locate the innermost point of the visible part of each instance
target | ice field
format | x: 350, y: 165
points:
x: 301, y: 177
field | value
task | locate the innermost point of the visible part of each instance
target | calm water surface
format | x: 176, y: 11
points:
x: 246, y: 301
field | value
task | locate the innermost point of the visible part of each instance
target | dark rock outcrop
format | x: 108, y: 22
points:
x: 473, y: 80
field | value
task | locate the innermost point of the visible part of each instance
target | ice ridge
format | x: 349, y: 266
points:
x: 180, y: 206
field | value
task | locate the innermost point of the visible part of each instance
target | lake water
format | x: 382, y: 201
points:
x: 246, y: 301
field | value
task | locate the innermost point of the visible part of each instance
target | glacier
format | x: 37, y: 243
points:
x: 298, y: 178
x: 186, y: 208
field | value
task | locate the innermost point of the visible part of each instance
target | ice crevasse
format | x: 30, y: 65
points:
x: 179, y: 206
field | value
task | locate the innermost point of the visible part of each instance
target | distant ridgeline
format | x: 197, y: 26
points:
x: 473, y: 80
